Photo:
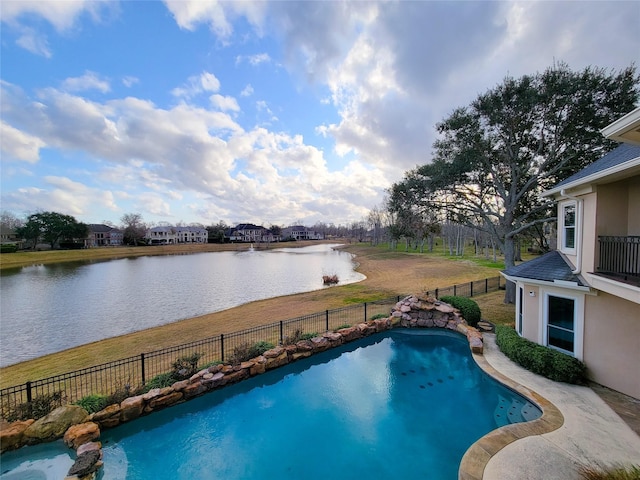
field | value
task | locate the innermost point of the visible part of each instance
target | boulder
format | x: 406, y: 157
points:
x: 86, y: 463
x: 76, y: 435
x: 89, y: 447
x: 12, y: 435
x: 54, y: 424
x: 131, y: 408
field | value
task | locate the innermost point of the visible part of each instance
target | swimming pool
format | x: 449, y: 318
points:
x: 399, y: 404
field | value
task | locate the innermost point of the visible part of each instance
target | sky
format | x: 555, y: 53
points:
x: 273, y: 113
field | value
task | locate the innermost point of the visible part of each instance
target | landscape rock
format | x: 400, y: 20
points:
x: 76, y: 435
x: 12, y: 434
x: 54, y: 424
x: 86, y: 463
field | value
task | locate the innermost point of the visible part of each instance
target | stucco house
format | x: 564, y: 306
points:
x: 169, y: 235
x: 101, y: 235
x: 584, y: 297
x: 300, y: 232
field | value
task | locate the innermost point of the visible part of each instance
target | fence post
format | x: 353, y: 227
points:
x: 454, y: 291
x: 365, y: 311
x: 222, y: 347
x: 28, y: 385
x: 486, y: 285
x: 326, y: 318
x: 471, y: 288
x: 436, y: 293
x: 281, y: 333
x: 142, y: 368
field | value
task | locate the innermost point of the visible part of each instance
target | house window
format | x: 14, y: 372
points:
x: 561, y: 323
x: 569, y: 226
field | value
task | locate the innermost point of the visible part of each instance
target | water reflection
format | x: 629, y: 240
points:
x: 48, y: 308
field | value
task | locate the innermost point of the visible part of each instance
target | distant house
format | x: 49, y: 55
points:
x: 299, y: 232
x: 250, y: 233
x: 7, y: 235
x: 584, y: 298
x: 101, y: 235
x: 170, y: 235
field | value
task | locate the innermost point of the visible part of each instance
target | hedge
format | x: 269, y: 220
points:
x: 468, y: 308
x: 539, y: 359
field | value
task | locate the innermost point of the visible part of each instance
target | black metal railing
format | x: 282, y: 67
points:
x: 129, y: 374
x: 620, y: 258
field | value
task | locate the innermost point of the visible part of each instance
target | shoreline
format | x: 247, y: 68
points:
x: 387, y: 274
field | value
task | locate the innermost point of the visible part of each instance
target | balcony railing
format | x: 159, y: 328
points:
x: 620, y: 258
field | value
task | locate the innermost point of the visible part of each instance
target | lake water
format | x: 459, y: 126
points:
x: 49, y: 308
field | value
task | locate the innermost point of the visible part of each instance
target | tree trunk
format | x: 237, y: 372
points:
x: 509, y: 255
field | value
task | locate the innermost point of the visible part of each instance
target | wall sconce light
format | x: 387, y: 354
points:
x: 532, y: 294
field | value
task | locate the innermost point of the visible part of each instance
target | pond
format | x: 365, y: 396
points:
x: 49, y: 308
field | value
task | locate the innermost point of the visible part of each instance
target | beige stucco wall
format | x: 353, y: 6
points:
x: 612, y: 342
x: 633, y: 221
x: 531, y: 312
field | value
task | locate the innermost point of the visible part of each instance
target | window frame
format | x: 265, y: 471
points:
x: 578, y: 321
x: 563, y: 228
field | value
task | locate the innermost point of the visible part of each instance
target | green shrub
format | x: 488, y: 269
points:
x: 8, y: 248
x: 340, y: 327
x: 539, y: 359
x: 378, y: 316
x: 295, y: 337
x: 93, y: 403
x: 160, y: 381
x: 246, y: 351
x: 38, y: 407
x: 186, y: 366
x: 468, y: 308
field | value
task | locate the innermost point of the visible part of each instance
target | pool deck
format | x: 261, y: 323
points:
x: 578, y: 428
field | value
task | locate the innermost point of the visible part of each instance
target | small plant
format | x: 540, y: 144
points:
x: 468, y: 308
x: 38, y: 407
x: 93, y: 403
x: 186, y: 366
x: 378, y: 316
x: 246, y: 351
x: 612, y: 473
x: 344, y: 325
x: 298, y: 335
x: 159, y: 381
x: 539, y: 359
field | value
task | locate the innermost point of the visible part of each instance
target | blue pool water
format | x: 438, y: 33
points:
x: 400, y: 404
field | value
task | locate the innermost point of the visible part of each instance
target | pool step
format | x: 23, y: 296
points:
x: 514, y: 410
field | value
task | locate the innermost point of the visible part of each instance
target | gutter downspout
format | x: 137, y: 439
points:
x: 579, y: 218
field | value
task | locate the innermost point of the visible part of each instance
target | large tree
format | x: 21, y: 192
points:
x: 134, y: 228
x: 51, y: 227
x: 493, y: 157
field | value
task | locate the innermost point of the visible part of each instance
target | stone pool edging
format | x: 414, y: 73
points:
x: 478, y: 455
x: 413, y: 311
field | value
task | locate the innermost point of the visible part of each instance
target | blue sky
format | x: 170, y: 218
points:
x: 265, y: 112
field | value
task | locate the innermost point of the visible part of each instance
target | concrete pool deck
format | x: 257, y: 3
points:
x: 577, y: 429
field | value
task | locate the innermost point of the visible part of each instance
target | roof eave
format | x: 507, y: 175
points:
x: 625, y: 129
x: 593, y: 178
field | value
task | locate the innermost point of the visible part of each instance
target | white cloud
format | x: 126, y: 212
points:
x: 219, y: 15
x: 34, y: 42
x: 205, y: 82
x: 130, y: 81
x: 247, y: 91
x: 224, y: 103
x: 20, y: 145
x: 254, y: 60
x: 88, y: 81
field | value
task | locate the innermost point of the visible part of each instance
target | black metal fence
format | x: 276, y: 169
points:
x: 129, y: 374
x: 620, y: 257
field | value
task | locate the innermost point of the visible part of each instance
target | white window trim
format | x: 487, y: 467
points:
x: 519, y: 309
x: 561, y: 229
x: 578, y: 319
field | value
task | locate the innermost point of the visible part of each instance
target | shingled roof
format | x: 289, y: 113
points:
x: 622, y: 154
x: 548, y: 267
